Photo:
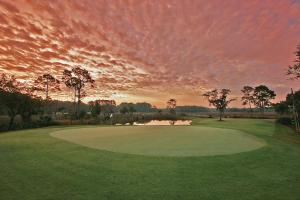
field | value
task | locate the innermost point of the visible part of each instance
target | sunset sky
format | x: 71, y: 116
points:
x: 151, y: 51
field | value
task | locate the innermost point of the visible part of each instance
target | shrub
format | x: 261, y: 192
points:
x: 284, y: 120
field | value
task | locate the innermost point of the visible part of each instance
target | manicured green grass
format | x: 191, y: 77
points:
x: 163, y: 140
x: 35, y: 165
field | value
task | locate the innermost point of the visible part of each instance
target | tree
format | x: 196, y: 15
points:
x: 290, y: 106
x: 124, y: 110
x: 219, y: 100
x: 247, y: 98
x: 95, y: 108
x: 108, y: 110
x: 76, y: 79
x: 9, y: 83
x: 46, y: 83
x: 282, y: 108
x: 10, y: 101
x: 171, y: 105
x: 131, y: 110
x: 262, y: 97
x: 10, y: 97
x: 14, y: 101
x: 294, y: 70
x: 294, y: 99
x: 28, y: 106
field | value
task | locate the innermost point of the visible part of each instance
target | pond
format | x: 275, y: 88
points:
x: 162, y: 123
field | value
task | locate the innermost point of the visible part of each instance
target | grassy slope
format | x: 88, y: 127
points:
x: 34, y: 165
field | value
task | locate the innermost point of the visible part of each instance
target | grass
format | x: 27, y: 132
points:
x: 34, y: 165
x: 163, y: 140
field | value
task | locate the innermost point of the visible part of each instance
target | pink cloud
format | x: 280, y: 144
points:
x: 154, y: 49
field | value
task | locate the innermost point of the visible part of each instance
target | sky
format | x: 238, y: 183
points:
x: 153, y: 50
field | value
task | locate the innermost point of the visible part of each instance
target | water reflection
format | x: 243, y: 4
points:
x: 164, y: 123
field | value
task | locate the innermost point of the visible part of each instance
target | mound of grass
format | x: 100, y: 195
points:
x: 163, y: 140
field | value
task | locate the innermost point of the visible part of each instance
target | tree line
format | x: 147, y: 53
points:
x: 24, y: 99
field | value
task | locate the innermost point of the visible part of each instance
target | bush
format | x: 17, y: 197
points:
x: 45, y: 121
x: 284, y: 121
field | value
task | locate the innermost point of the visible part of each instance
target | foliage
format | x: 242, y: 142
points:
x: 124, y: 110
x: 281, y: 108
x: 262, y: 96
x: 294, y: 70
x: 171, y: 106
x: 219, y: 100
x: 95, y: 108
x: 9, y: 83
x: 142, y: 107
x: 247, y: 98
x: 46, y: 83
x: 284, y: 120
x: 285, y: 107
x: 77, y: 78
x: 289, y: 100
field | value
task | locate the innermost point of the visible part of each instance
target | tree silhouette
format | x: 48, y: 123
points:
x: 76, y: 79
x: 124, y: 110
x: 46, y: 83
x: 171, y: 105
x: 14, y: 101
x: 247, y: 98
x: 219, y: 100
x: 10, y: 97
x: 95, y: 108
x: 263, y: 96
x: 294, y: 70
x: 9, y: 83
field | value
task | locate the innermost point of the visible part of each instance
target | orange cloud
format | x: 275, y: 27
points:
x: 153, y: 50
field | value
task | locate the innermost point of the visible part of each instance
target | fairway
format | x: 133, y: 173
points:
x: 147, y: 163
x: 163, y: 140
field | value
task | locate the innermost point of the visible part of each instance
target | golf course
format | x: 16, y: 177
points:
x: 231, y: 159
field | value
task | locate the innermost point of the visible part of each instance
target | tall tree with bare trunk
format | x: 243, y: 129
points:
x: 247, y: 98
x: 77, y: 78
x: 46, y: 83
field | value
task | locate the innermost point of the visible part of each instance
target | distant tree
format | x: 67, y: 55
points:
x: 76, y: 79
x: 171, y: 105
x: 143, y: 107
x: 108, y: 110
x: 95, y: 108
x: 294, y: 70
x: 281, y: 108
x: 263, y: 96
x: 247, y: 98
x: 124, y: 110
x: 159, y: 111
x: 296, y: 97
x: 131, y: 110
x: 29, y: 106
x: 219, y: 100
x: 82, y: 114
x: 46, y: 83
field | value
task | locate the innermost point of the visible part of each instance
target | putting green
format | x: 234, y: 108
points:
x: 163, y: 141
